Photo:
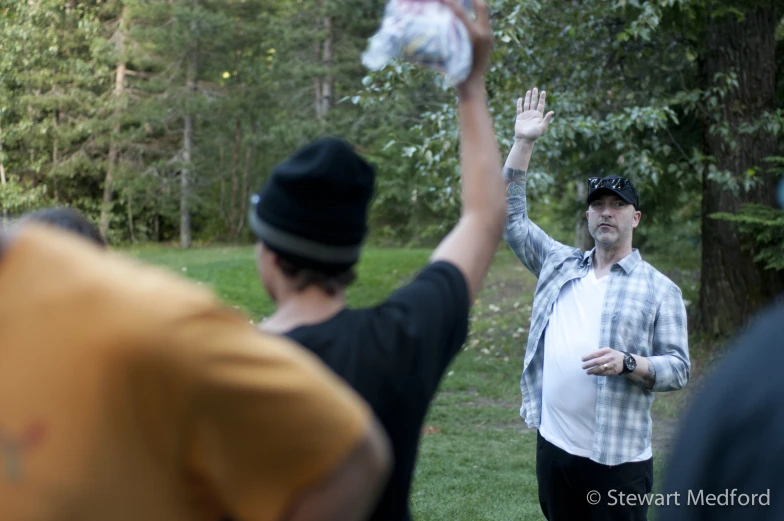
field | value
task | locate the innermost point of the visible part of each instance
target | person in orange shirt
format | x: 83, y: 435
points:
x: 127, y: 393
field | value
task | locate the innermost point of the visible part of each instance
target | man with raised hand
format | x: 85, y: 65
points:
x: 607, y: 332
x: 129, y: 394
x: 310, y: 220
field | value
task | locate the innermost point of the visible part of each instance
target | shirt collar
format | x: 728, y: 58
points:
x: 587, y: 258
x: 627, y: 264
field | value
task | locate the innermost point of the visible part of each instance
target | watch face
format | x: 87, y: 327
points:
x: 631, y: 363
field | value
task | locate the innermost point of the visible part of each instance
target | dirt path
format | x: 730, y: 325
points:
x: 663, y: 434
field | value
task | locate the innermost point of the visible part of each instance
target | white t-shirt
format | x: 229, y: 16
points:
x: 568, y: 393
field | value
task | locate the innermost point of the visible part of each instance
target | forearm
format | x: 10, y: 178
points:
x: 661, y: 373
x: 520, y: 155
x: 670, y: 353
x: 528, y: 242
x: 483, y: 193
x: 515, y: 170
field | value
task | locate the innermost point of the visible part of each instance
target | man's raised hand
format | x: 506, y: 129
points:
x: 531, y: 120
x: 481, y: 34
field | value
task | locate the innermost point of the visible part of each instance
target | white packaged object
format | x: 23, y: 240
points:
x: 422, y: 32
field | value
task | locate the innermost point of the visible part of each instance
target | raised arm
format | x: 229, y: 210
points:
x: 472, y: 244
x: 529, y: 243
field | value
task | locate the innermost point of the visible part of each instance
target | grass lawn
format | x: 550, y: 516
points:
x: 477, y: 457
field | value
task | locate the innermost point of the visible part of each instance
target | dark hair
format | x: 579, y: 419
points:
x: 306, y: 277
x: 66, y: 219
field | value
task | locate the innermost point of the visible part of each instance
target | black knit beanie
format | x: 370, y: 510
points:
x: 313, y: 210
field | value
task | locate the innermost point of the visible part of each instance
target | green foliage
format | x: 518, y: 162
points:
x: 615, y: 112
x: 52, y: 77
x: 623, y: 79
x: 766, y: 226
x: 763, y: 225
x: 18, y: 197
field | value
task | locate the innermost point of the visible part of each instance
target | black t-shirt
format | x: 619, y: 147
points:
x: 731, y: 442
x: 394, y: 356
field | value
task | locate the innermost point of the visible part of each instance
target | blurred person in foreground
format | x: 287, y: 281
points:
x: 729, y: 453
x: 311, y: 219
x: 728, y: 457
x: 127, y: 393
x: 67, y: 219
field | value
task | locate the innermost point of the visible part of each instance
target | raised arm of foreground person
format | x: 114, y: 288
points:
x: 472, y: 244
x: 529, y: 242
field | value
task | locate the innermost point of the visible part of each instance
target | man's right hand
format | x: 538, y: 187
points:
x: 481, y: 35
x: 531, y: 122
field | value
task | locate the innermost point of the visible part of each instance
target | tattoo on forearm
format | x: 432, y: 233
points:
x: 650, y: 377
x: 515, y: 181
x: 512, y: 175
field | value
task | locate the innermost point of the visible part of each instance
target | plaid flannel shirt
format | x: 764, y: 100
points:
x: 643, y: 314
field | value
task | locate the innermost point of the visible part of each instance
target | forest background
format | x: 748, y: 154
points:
x: 159, y: 118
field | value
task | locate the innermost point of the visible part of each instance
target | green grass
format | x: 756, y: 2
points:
x: 477, y: 457
x: 231, y: 272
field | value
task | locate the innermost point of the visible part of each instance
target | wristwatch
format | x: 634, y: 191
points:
x: 629, y: 363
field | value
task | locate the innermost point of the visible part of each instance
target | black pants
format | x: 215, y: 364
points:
x: 573, y: 488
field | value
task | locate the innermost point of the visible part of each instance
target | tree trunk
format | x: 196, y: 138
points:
x: 119, y: 89
x: 732, y: 286
x: 235, y: 182
x: 245, y: 189
x: 222, y: 205
x: 582, y: 239
x: 2, y: 166
x: 2, y: 172
x: 55, y: 159
x: 326, y: 87
x: 232, y: 229
x: 130, y: 217
x: 317, y: 92
x: 187, y: 154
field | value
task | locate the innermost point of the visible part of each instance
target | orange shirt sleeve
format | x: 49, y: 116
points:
x: 267, y: 420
